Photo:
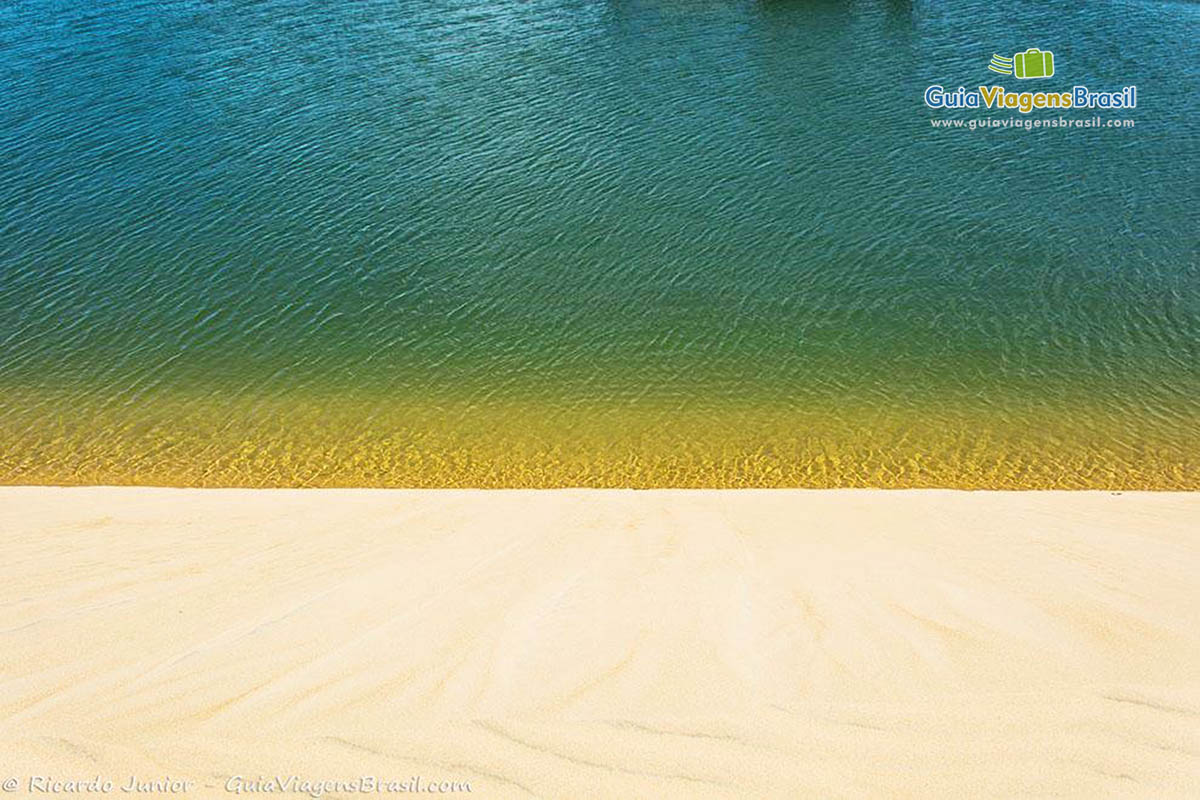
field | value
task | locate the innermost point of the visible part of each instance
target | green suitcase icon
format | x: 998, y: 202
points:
x: 1034, y: 63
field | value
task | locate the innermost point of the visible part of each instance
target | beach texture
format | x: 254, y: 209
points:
x: 607, y: 644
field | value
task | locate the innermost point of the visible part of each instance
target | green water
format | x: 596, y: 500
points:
x: 593, y: 243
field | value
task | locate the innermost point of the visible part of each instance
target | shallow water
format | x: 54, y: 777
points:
x: 592, y: 243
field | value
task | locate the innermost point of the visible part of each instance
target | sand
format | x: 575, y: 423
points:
x: 603, y: 644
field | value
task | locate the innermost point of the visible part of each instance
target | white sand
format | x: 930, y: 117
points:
x: 605, y: 644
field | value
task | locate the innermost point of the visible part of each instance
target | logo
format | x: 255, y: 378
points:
x: 1033, y: 63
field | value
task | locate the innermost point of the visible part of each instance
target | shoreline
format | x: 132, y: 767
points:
x: 333, y: 441
x: 606, y: 643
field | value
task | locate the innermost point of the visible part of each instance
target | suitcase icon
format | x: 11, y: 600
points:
x: 1033, y: 63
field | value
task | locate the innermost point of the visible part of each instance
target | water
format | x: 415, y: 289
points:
x: 546, y: 243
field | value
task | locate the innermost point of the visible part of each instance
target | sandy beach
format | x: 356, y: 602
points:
x: 603, y: 644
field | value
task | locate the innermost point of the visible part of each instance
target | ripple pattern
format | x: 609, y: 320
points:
x: 552, y: 243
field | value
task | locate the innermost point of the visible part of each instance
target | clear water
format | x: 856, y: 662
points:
x: 545, y: 243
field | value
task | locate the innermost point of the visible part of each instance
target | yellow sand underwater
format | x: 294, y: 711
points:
x: 329, y: 441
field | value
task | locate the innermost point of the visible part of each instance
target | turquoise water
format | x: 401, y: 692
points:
x: 593, y: 243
